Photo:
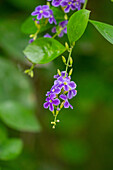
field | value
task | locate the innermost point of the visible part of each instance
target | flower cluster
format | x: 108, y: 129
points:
x: 44, y: 11
x: 68, y: 4
x: 60, y: 93
x: 62, y: 29
x: 63, y: 89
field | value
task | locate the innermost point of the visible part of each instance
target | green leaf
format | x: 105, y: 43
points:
x: 10, y: 149
x: 12, y: 40
x: 29, y: 27
x: 3, y: 133
x: 17, y: 116
x: 77, y: 25
x: 14, y: 85
x: 16, y: 88
x: 105, y: 30
x: 44, y: 50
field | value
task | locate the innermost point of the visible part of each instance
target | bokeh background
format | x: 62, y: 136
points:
x: 83, y: 140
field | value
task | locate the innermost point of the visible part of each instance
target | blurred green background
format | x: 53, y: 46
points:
x: 83, y: 140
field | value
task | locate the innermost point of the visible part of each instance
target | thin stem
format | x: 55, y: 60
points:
x: 85, y: 4
x: 70, y: 52
x: 55, y: 35
x: 32, y: 67
x: 55, y: 120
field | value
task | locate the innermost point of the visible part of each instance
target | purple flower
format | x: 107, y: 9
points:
x: 78, y: 4
x: 44, y: 12
x: 51, y: 101
x: 55, y: 89
x: 55, y: 3
x: 34, y: 19
x: 71, y: 4
x: 53, y: 30
x: 41, y: 11
x: 63, y: 27
x: 51, y: 18
x: 68, y: 4
x: 31, y: 40
x: 47, y: 35
x: 63, y: 73
x: 66, y: 104
x: 71, y: 93
x: 65, y: 83
x: 63, y: 88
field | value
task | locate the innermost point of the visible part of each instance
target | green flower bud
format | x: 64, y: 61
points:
x: 67, y: 46
x: 59, y: 72
x: 63, y: 59
x: 70, y: 73
x: 71, y: 61
x: 26, y: 71
x: 31, y: 74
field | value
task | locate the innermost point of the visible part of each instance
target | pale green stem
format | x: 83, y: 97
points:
x: 85, y: 4
x: 67, y: 65
x: 55, y: 35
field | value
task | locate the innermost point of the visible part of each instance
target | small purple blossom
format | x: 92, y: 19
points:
x: 78, y: 4
x: 34, y: 19
x: 38, y: 22
x: 65, y: 83
x: 47, y: 35
x: 41, y: 11
x: 44, y: 12
x: 68, y: 4
x: 51, y: 101
x: 62, y: 74
x: 53, y: 30
x: 66, y: 103
x: 55, y: 3
x: 71, y: 93
x: 51, y: 18
x: 55, y: 89
x: 62, y: 27
x: 71, y: 5
x: 31, y: 40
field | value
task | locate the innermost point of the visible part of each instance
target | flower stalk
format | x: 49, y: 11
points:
x: 85, y: 4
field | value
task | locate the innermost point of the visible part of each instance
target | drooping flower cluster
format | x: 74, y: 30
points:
x: 68, y: 4
x: 44, y: 11
x: 63, y: 89
x: 60, y: 93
